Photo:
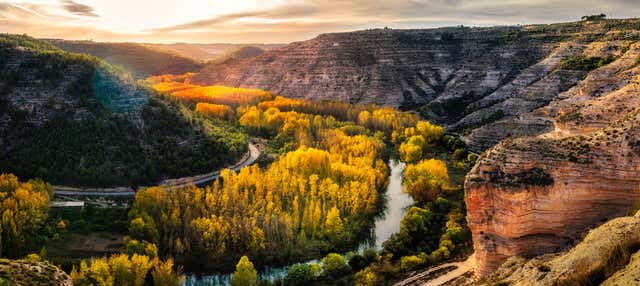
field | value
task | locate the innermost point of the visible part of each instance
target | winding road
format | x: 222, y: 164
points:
x: 248, y: 159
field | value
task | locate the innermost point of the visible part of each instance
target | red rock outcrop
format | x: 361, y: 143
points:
x: 536, y: 195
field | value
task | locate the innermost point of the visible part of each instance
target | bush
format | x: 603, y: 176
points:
x: 298, y: 275
x: 334, y: 265
x: 410, y: 263
x: 368, y: 277
x: 585, y: 63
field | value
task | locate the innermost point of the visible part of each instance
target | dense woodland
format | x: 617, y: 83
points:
x: 99, y: 128
x: 316, y: 195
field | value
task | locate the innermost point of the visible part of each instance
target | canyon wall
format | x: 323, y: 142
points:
x: 535, y: 195
x: 479, y: 82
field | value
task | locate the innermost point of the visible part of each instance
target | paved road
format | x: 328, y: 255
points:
x: 247, y: 160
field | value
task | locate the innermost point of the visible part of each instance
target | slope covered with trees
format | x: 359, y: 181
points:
x: 73, y: 119
x: 320, y: 193
x: 139, y: 59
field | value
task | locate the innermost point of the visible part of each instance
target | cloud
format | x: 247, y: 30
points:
x: 281, y: 12
x: 79, y: 9
x: 286, y: 21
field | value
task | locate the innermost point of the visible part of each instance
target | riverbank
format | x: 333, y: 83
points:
x: 386, y: 224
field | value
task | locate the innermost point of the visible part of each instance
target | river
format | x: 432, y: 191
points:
x: 386, y: 224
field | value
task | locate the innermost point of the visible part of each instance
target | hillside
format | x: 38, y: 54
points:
x: 73, y: 119
x: 208, y: 52
x: 140, y: 60
x: 481, y: 82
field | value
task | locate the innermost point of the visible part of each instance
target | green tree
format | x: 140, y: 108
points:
x: 334, y: 264
x: 245, y: 274
x: 298, y: 275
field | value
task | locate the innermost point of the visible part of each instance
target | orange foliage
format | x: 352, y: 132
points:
x: 217, y: 110
x: 180, y: 86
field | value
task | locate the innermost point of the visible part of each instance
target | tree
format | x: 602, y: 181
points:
x: 245, y: 274
x: 23, y: 210
x: 298, y: 275
x: 334, y: 264
x: 333, y: 223
x: 163, y: 274
x: 426, y: 180
x: 594, y: 17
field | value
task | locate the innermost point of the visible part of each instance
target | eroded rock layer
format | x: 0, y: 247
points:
x: 481, y: 82
x: 605, y: 255
x: 535, y: 195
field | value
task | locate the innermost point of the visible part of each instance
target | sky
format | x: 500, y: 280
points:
x: 276, y: 21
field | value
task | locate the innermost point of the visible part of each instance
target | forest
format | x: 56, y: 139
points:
x: 316, y: 196
x: 96, y: 126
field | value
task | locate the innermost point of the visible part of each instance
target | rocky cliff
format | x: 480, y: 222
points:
x: 535, y: 195
x: 477, y: 81
x: 605, y: 257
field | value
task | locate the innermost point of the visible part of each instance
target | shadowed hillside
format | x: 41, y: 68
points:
x: 74, y: 119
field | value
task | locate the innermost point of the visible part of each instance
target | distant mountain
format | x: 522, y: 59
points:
x: 246, y: 52
x: 139, y: 59
x: 76, y: 120
x: 209, y: 52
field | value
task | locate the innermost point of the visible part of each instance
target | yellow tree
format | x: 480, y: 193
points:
x: 245, y: 274
x: 426, y: 180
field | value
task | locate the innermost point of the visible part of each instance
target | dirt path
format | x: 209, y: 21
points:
x: 424, y: 278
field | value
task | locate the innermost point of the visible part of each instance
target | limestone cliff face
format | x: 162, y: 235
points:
x: 605, y: 255
x: 484, y: 80
x: 536, y: 195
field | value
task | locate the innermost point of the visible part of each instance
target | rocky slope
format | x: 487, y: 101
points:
x: 140, y: 60
x: 605, y: 257
x: 29, y: 272
x: 75, y: 120
x: 536, y: 195
x: 480, y: 79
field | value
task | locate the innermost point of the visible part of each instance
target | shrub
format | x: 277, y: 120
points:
x: 585, y: 63
x: 368, y: 277
x: 298, y: 275
x: 333, y: 264
x: 410, y: 263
